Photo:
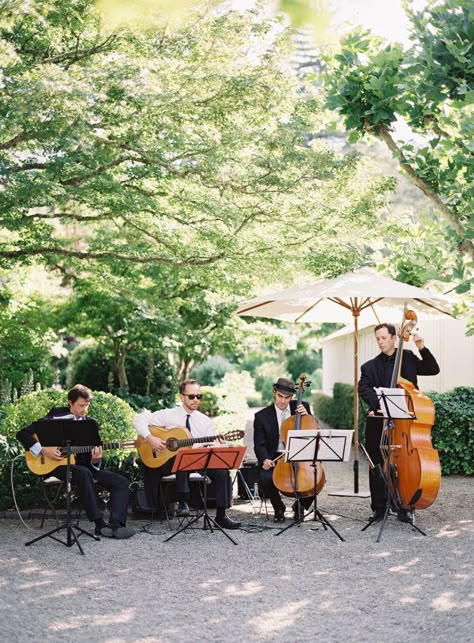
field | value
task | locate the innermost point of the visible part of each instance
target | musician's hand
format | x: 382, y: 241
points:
x: 419, y: 341
x: 267, y: 464
x: 53, y: 453
x: 301, y: 409
x: 371, y: 414
x: 96, y: 455
x: 157, y: 444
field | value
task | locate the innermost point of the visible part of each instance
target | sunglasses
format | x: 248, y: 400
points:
x: 192, y: 395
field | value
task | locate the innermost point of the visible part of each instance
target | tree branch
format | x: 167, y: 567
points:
x: 194, y: 260
x: 465, y: 245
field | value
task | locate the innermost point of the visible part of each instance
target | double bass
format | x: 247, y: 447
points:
x: 296, y: 479
x: 411, y: 463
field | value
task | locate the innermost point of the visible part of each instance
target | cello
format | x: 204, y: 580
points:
x: 411, y: 463
x: 296, y: 479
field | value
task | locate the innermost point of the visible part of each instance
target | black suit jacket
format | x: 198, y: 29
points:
x: 27, y: 439
x: 266, y: 434
x: 378, y: 372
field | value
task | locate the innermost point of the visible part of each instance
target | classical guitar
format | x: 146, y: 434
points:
x: 175, y: 439
x: 42, y: 465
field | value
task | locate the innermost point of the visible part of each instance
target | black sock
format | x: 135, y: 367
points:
x: 220, y: 512
x: 100, y: 523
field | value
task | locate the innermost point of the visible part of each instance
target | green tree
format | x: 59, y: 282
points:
x: 184, y: 149
x: 26, y: 337
x: 430, y: 86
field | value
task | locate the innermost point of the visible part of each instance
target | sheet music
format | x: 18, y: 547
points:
x: 334, y: 445
x: 393, y: 403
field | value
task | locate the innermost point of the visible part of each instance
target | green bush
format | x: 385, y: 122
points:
x: 338, y: 411
x: 89, y: 362
x: 453, y: 430
x: 212, y: 371
x: 113, y: 415
x: 209, y: 403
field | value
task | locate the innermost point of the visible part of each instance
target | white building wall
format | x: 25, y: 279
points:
x: 445, y: 338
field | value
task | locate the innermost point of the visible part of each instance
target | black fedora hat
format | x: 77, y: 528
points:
x: 284, y: 385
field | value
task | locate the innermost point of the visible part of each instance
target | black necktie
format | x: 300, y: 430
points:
x: 188, y: 425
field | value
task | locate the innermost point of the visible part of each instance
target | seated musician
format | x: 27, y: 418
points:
x: 377, y: 372
x: 268, y: 445
x: 87, y: 469
x: 198, y: 425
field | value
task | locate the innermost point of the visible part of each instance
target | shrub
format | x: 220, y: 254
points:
x: 89, y: 362
x: 209, y: 403
x: 212, y: 371
x: 453, y: 430
x: 338, y: 411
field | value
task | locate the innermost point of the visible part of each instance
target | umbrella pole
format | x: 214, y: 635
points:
x: 356, y: 404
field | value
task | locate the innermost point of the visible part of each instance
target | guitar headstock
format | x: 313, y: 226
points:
x: 235, y: 434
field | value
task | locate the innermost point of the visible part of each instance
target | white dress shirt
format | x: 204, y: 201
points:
x: 281, y: 417
x: 201, y: 425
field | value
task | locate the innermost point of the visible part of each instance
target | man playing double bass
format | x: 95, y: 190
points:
x: 268, y: 445
x: 377, y: 372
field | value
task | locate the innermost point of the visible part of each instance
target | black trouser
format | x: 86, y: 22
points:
x: 272, y: 493
x: 373, y: 434
x: 83, y: 478
x: 152, y: 477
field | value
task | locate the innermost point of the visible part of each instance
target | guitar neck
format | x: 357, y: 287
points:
x: 86, y: 449
x: 191, y: 441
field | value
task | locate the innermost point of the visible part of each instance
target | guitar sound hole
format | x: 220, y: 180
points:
x: 172, y: 444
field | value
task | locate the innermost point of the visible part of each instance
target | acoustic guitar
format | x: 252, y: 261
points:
x: 41, y: 465
x: 175, y: 439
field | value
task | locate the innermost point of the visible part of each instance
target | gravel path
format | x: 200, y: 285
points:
x: 304, y: 585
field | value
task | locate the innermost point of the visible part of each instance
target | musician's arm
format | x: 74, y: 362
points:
x: 366, y: 389
x: 143, y: 420
x: 428, y: 364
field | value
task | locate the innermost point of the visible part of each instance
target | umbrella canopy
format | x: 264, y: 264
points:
x: 364, y: 296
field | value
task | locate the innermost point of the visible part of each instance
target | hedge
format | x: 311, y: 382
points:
x: 452, y: 433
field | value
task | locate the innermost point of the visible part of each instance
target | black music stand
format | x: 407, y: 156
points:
x: 393, y: 405
x: 320, y: 445
x: 66, y: 434
x: 201, y: 460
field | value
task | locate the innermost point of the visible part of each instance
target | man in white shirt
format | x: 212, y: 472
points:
x: 199, y: 425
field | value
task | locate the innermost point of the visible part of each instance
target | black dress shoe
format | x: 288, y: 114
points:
x: 377, y: 515
x: 119, y: 533
x: 298, y: 513
x: 280, y: 514
x: 228, y: 523
x: 405, y: 515
x: 183, y: 510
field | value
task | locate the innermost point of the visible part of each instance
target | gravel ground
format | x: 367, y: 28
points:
x: 304, y: 585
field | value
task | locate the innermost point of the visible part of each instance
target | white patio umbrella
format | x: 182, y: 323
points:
x: 362, y: 296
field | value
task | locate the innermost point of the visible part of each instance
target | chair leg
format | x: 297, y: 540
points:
x: 51, y: 502
x: 164, y: 503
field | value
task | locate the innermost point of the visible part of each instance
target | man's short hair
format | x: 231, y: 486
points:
x: 182, y: 386
x: 78, y: 391
x: 389, y: 327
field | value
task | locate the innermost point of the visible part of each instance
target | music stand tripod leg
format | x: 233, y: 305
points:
x: 71, y: 536
x: 318, y: 516
x: 208, y: 522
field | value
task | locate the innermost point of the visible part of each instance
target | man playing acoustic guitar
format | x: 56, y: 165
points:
x: 87, y: 469
x: 198, y: 426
